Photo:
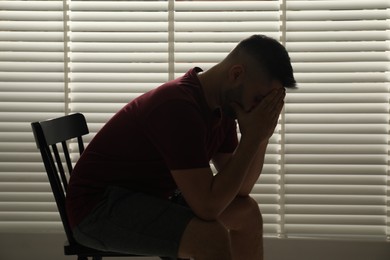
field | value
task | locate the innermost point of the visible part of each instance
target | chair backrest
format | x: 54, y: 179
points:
x: 50, y: 135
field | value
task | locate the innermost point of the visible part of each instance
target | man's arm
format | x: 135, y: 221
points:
x: 220, y: 160
x: 209, y: 195
x: 254, y: 170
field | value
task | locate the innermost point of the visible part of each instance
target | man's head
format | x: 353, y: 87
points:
x: 269, y: 56
x: 256, y: 66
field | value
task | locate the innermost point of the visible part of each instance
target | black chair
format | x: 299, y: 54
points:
x: 48, y: 134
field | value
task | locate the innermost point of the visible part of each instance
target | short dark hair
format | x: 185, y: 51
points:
x: 272, y: 56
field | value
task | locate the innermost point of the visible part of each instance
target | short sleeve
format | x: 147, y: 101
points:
x: 177, y: 130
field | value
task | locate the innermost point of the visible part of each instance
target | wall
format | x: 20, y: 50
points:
x: 49, y: 247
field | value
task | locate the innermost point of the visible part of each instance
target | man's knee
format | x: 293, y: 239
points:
x: 253, y: 214
x: 243, y: 211
x: 252, y: 206
x: 205, y: 240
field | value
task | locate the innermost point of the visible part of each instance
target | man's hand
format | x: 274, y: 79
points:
x: 259, y: 123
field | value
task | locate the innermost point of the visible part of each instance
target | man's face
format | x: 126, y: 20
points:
x: 249, y: 93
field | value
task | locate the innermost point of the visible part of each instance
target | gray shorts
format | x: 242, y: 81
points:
x: 134, y: 223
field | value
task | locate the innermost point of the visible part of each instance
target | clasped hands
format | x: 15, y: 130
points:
x: 259, y: 123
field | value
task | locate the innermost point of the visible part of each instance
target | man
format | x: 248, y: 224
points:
x: 144, y: 184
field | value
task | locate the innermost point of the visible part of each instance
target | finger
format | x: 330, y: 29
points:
x: 279, y: 105
x: 275, y: 118
x: 281, y: 93
x: 271, y: 101
x: 275, y: 112
x: 278, y: 110
x: 266, y: 100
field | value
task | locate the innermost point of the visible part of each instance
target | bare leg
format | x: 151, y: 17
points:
x: 243, y: 219
x: 205, y: 241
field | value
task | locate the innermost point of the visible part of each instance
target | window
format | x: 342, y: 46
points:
x: 326, y: 171
x: 336, y: 128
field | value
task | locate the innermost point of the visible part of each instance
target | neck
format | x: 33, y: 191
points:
x: 211, y: 86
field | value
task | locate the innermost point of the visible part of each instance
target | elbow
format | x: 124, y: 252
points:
x: 208, y: 212
x: 244, y: 193
x: 207, y: 215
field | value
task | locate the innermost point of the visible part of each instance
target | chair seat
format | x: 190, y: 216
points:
x: 77, y: 249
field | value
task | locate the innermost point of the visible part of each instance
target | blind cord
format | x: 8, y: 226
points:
x: 282, y: 232
x: 66, y: 40
x: 171, y: 39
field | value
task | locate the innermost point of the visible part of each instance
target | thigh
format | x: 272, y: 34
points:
x: 136, y: 223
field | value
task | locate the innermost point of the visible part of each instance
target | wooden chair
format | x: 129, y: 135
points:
x: 48, y: 134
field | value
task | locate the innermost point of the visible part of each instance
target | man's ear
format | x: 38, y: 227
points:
x: 236, y: 74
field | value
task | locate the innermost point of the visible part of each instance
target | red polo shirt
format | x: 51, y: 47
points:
x: 170, y: 127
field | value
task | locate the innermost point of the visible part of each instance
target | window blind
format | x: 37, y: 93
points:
x: 118, y: 50
x: 32, y: 88
x: 326, y: 167
x: 337, y: 124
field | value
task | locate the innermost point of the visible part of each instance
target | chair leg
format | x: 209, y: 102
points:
x: 97, y: 257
